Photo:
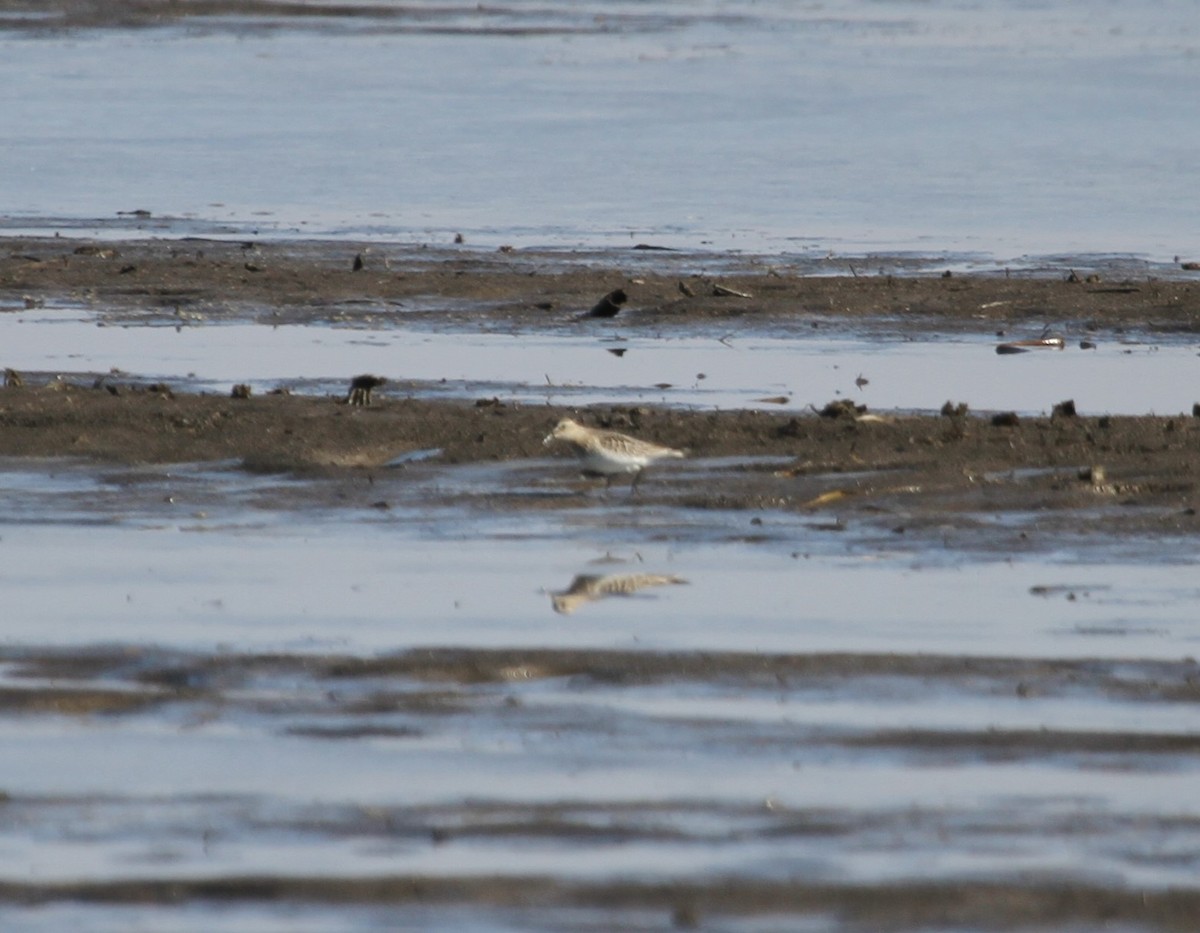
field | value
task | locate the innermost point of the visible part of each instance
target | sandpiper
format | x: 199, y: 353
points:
x: 607, y: 453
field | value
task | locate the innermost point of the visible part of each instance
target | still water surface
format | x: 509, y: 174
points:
x: 784, y: 369
x: 1004, y: 129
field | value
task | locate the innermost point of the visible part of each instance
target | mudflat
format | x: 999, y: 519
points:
x: 295, y: 282
x: 874, y: 464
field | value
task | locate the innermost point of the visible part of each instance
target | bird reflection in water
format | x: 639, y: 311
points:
x: 587, y: 587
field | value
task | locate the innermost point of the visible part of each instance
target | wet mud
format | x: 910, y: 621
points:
x: 348, y: 283
x: 1134, y: 475
x: 679, y: 905
x: 112, y: 681
x: 1140, y: 473
x: 254, y: 16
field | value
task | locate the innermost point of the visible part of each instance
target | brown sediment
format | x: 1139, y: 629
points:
x: 72, y: 701
x: 296, y: 282
x: 983, y: 905
x: 181, y: 676
x: 916, y: 468
x: 255, y: 15
x: 907, y: 471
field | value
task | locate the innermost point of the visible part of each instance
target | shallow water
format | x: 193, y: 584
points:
x: 571, y: 365
x: 196, y: 593
x: 1006, y: 130
x: 200, y: 568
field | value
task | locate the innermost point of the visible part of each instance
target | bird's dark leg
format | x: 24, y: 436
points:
x: 637, y: 478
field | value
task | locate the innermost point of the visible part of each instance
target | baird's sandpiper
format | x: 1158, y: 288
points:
x: 607, y: 453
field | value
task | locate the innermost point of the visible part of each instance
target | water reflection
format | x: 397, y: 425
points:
x: 588, y: 587
x: 785, y: 371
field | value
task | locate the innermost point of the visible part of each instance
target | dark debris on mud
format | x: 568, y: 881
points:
x: 906, y: 474
x: 296, y: 283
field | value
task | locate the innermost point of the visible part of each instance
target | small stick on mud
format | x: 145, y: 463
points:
x: 724, y: 291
